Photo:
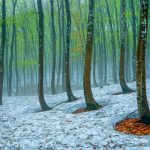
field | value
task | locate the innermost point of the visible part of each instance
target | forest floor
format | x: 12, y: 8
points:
x: 24, y: 127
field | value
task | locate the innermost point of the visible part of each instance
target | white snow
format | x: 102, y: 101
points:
x: 24, y: 127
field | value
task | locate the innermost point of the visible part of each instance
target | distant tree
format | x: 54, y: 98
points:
x: 53, y: 90
x: 43, y: 104
x: 123, y: 35
x: 90, y: 102
x: 134, y: 38
x: 70, y: 95
x: 104, y: 43
x: 14, y: 2
x: 2, y: 48
x: 114, y: 66
x: 59, y: 8
x: 143, y: 108
x: 63, y: 45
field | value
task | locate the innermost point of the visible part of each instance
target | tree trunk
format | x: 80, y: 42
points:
x: 134, y: 39
x: 3, y: 39
x: 53, y: 49
x: 112, y: 44
x: 70, y: 95
x: 143, y: 108
x: 104, y: 41
x: 43, y: 104
x: 16, y: 65
x: 60, y: 44
x: 63, y: 46
x: 123, y: 35
x: 90, y: 101
x: 94, y: 65
x: 12, y: 48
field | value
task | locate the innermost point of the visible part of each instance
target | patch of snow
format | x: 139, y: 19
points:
x: 23, y: 126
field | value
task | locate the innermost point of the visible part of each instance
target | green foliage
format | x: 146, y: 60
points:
x: 26, y: 19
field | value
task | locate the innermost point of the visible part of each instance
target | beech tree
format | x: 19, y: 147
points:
x: 123, y: 35
x: 114, y: 68
x: 134, y: 30
x: 43, y: 104
x: 12, y: 48
x: 53, y: 90
x: 90, y: 101
x: 143, y: 108
x: 2, y: 48
x: 70, y: 95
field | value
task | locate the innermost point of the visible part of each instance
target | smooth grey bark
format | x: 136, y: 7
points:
x: 12, y: 48
x: 123, y: 35
x: 134, y: 39
x: 114, y: 58
x: 43, y: 104
x: 60, y: 44
x: 70, y: 95
x: 104, y: 45
x: 2, y: 48
x: 53, y: 90
x: 63, y: 46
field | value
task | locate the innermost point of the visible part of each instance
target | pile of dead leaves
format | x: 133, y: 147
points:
x: 133, y: 126
x: 81, y: 110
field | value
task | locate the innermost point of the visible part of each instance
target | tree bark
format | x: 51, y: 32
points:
x: 63, y: 46
x: 90, y: 101
x: 60, y: 44
x: 112, y: 44
x: 43, y: 104
x: 2, y: 49
x: 12, y: 48
x: 53, y: 90
x: 134, y: 39
x: 70, y: 95
x: 94, y: 65
x: 143, y: 108
x: 123, y: 35
x: 104, y: 41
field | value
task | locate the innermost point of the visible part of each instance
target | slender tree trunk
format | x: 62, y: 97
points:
x: 12, y: 48
x: 43, y: 104
x: 123, y: 35
x: 94, y: 65
x: 16, y: 65
x: 104, y: 41
x: 60, y: 44
x: 117, y: 23
x: 128, y: 58
x: 6, y: 59
x: 143, y: 108
x: 112, y: 43
x: 90, y: 101
x: 25, y: 54
x: 2, y: 48
x: 53, y: 49
x: 134, y: 39
x: 63, y: 45
x: 70, y: 95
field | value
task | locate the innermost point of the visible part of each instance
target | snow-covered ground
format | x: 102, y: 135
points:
x: 24, y: 127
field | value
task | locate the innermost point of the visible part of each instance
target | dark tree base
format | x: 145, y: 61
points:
x: 126, y: 92
x: 82, y: 110
x: 72, y: 99
x: 145, y: 119
x: 46, y: 108
x: 93, y: 106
